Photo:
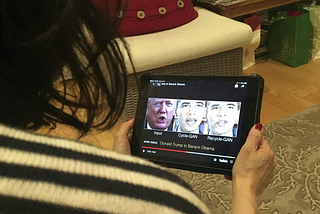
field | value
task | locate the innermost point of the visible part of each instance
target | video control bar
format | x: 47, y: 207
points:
x: 219, y: 158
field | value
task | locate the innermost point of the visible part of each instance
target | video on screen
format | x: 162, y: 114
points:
x: 218, y: 118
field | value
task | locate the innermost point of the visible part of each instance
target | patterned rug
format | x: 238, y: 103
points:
x: 295, y: 187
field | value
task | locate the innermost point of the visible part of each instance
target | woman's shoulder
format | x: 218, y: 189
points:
x: 63, y: 174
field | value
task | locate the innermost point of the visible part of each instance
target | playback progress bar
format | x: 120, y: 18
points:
x: 187, y: 152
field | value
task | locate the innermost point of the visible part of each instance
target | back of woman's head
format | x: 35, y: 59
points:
x: 38, y: 41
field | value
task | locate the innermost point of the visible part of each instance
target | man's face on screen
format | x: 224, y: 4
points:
x: 160, y: 113
x: 190, y: 113
x: 222, y: 116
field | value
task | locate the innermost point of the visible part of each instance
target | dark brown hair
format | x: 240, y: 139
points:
x: 38, y: 40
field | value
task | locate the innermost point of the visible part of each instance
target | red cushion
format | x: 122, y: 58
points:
x: 148, y: 16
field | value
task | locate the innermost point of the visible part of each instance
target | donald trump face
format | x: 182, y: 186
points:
x: 160, y: 113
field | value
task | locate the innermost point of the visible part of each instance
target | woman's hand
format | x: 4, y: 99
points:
x: 254, y: 165
x: 252, y: 172
x: 121, y: 142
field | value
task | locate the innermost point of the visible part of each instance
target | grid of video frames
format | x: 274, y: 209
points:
x: 218, y: 118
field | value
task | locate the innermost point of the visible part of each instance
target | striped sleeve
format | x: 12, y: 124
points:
x: 40, y: 174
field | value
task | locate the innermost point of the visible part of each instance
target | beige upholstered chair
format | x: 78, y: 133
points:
x: 209, y: 45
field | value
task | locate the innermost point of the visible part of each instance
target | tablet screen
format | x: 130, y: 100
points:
x: 192, y: 122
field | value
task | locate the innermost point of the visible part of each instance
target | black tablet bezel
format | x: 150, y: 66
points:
x: 252, y: 112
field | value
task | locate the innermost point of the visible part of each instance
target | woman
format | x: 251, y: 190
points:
x: 39, y: 174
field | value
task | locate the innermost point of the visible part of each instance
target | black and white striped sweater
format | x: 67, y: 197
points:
x: 40, y: 174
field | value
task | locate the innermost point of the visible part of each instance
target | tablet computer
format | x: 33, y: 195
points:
x: 197, y: 123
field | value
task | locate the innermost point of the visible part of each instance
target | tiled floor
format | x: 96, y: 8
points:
x: 287, y: 91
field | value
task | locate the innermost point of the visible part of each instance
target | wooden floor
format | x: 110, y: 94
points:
x: 287, y: 91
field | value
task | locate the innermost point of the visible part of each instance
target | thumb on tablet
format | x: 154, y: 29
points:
x: 254, y: 138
